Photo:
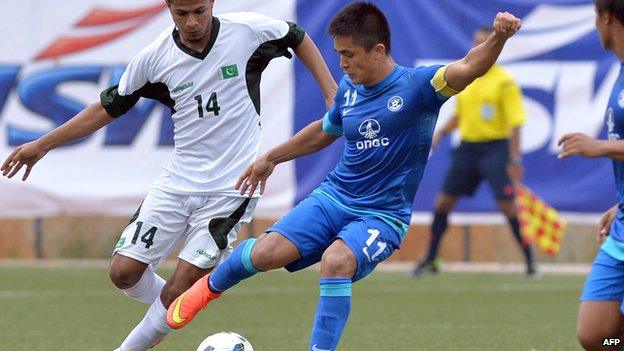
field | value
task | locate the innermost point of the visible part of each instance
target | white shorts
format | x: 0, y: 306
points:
x: 207, y: 224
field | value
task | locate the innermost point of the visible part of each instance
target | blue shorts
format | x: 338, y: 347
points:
x: 605, y: 281
x: 317, y: 221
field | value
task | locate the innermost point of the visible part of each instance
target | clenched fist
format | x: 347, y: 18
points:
x: 506, y: 25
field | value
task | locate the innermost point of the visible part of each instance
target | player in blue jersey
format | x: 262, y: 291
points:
x: 601, y: 311
x: 358, y: 216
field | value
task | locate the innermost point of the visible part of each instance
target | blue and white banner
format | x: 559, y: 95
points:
x: 55, y: 59
x: 57, y: 56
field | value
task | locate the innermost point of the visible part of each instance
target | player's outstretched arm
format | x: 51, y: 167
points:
x: 309, y: 140
x: 84, y: 123
x: 309, y: 54
x: 579, y: 144
x: 480, y: 59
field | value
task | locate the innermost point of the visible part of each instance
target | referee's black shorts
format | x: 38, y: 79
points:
x: 472, y: 162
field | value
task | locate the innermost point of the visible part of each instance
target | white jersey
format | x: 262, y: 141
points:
x: 214, y: 96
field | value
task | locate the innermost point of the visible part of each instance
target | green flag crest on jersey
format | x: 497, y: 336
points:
x: 229, y: 71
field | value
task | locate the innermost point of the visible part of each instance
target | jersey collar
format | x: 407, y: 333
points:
x: 214, y: 32
x: 394, y: 75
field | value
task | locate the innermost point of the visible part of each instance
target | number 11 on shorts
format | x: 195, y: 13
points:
x: 374, y: 233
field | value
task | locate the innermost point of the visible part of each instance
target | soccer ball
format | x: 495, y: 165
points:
x: 225, y: 341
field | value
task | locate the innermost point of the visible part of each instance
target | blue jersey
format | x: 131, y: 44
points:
x: 388, y: 129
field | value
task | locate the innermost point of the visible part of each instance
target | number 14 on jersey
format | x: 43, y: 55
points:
x: 211, y: 106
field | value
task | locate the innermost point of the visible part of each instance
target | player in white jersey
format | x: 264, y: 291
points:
x: 207, y: 70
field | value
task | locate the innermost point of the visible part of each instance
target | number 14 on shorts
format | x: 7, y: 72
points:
x: 147, y: 237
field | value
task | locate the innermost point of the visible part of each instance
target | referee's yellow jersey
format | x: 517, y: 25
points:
x: 490, y: 107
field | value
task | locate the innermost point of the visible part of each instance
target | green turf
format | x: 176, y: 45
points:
x: 78, y: 309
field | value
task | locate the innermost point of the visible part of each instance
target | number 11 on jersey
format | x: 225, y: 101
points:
x: 211, y: 106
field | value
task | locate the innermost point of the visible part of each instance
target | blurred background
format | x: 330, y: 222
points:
x: 57, y: 56
x: 80, y: 196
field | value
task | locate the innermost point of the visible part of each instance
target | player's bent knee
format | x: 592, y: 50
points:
x: 338, y: 263
x: 123, y: 278
x: 125, y: 272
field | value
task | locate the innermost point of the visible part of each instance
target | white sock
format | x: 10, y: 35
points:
x: 148, y: 288
x: 152, y: 328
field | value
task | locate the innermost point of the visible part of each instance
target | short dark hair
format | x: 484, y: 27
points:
x: 615, y: 7
x: 364, y: 23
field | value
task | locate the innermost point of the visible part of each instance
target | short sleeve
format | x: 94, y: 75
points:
x: 287, y: 34
x: 432, y: 86
x: 332, y: 122
x: 267, y: 29
x: 120, y: 98
x: 511, y: 103
x: 135, y: 76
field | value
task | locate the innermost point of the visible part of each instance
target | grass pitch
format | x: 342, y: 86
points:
x: 69, y: 309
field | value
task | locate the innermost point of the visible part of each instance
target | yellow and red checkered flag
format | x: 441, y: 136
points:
x: 539, y: 222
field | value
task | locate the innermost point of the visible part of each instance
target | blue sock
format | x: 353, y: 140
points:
x: 332, y: 313
x: 235, y: 268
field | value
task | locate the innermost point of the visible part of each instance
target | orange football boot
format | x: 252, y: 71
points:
x: 184, y: 308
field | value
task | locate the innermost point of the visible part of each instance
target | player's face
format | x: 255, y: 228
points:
x: 360, y: 65
x: 192, y: 17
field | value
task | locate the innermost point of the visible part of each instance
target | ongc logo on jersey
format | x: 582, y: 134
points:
x: 369, y: 129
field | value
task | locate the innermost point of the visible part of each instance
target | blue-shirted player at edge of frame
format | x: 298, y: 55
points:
x: 601, y: 310
x: 358, y: 216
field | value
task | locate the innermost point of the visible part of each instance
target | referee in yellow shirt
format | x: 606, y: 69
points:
x: 489, y: 115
